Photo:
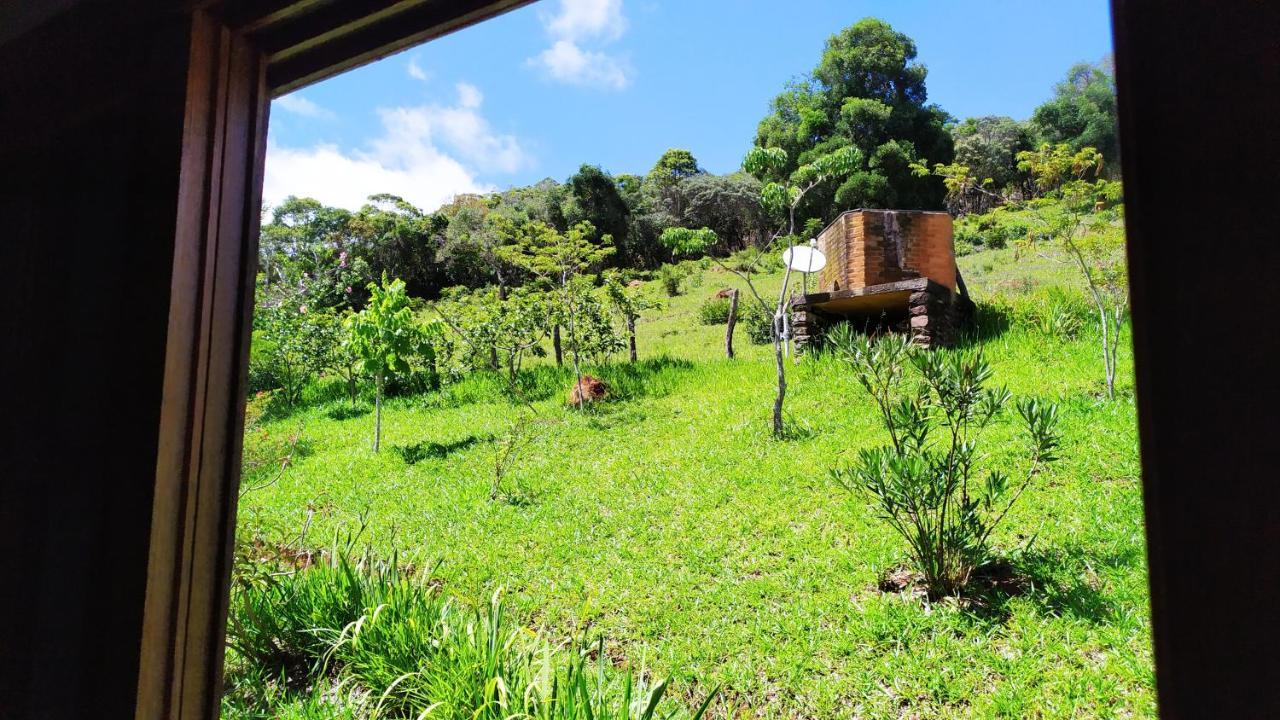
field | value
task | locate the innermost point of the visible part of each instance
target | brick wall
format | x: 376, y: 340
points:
x: 862, y: 249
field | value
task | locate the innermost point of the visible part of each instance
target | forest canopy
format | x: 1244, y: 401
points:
x: 867, y: 93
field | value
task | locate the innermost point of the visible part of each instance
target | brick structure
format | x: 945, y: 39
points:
x: 874, y: 247
x: 887, y: 270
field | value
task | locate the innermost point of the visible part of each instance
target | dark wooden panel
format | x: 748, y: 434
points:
x: 1199, y: 86
x: 202, y: 406
x: 331, y: 53
x: 304, y: 31
x: 92, y: 106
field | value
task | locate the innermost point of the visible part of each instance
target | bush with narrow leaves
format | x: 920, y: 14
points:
x: 927, y: 483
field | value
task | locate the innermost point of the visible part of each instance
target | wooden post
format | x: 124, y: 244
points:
x: 733, y: 320
x: 631, y: 336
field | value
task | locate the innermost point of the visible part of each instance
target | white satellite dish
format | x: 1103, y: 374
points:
x: 805, y: 259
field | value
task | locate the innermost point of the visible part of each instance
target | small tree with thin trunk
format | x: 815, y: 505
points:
x: 778, y: 200
x: 384, y: 336
x: 562, y: 260
x: 1083, y: 218
x: 628, y: 303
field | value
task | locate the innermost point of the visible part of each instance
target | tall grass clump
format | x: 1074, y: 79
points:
x: 926, y: 483
x: 353, y: 637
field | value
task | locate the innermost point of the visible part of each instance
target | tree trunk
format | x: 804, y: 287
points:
x: 577, y: 371
x: 377, y: 421
x: 631, y: 336
x: 555, y: 343
x: 782, y: 377
x: 779, y: 326
x: 730, y: 324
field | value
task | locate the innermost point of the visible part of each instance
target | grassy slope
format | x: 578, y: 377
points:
x: 673, y: 524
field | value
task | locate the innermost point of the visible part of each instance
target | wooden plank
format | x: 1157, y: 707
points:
x: 202, y: 409
x: 912, y: 285
x: 392, y: 33
x: 323, y: 23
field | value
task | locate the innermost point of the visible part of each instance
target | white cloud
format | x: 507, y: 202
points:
x: 582, y: 19
x: 426, y: 154
x: 566, y: 62
x: 416, y: 72
x: 469, y: 96
x: 573, y: 26
x: 299, y: 105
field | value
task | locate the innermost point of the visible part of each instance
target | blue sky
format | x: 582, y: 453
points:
x: 539, y: 91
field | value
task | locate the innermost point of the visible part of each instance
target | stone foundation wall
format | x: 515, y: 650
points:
x: 934, y: 317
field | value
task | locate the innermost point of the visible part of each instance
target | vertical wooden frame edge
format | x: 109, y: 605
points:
x: 193, y: 514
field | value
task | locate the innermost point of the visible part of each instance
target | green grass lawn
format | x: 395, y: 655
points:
x: 670, y: 522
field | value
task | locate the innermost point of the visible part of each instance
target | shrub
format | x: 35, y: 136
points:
x: 754, y: 260
x: 673, y: 277
x: 714, y: 311
x: 757, y: 321
x: 966, y: 234
x: 291, y: 346
x: 926, y: 483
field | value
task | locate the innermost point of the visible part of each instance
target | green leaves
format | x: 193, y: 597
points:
x: 384, y: 335
x: 763, y: 161
x: 554, y: 256
x: 924, y: 483
x: 686, y: 241
x: 1052, y: 166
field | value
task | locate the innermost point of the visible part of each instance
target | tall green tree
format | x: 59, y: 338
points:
x: 666, y: 180
x: 594, y: 198
x: 301, y: 238
x: 989, y: 146
x: 1082, y: 113
x: 396, y: 238
x: 867, y: 92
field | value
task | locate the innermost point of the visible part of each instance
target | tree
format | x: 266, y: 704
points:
x: 490, y: 326
x: 291, y: 345
x: 594, y: 198
x: 543, y: 201
x: 1082, y: 214
x: 1082, y: 113
x: 397, y: 239
x: 300, y: 240
x: 989, y: 146
x: 868, y: 93
x: 560, y: 260
x: 778, y: 200
x: 471, y: 245
x: 729, y: 205
x: 629, y: 303
x: 384, y: 336
x: 666, y: 179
